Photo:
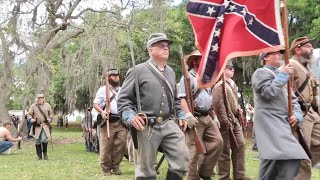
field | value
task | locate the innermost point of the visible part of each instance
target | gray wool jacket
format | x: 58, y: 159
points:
x: 274, y: 136
x: 154, y: 100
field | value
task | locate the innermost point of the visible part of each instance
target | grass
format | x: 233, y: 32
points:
x: 69, y: 160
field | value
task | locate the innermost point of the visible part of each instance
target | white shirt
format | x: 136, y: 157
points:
x: 101, y: 98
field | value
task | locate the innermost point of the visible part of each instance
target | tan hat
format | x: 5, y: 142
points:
x: 229, y: 64
x: 5, y: 123
x: 40, y: 95
x: 157, y: 37
x: 192, y: 56
x: 298, y: 43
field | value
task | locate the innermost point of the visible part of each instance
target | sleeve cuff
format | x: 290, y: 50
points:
x: 299, y: 116
x: 282, y: 78
x: 182, y: 116
x: 127, y: 116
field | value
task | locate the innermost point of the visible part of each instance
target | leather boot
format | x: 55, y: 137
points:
x: 172, y: 176
x: 44, y: 150
x: 205, y: 177
x: 39, y: 151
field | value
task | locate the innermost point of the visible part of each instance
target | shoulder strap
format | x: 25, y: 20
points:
x: 198, y: 91
x: 44, y: 116
x: 160, y: 76
x: 163, y: 82
x: 304, y: 84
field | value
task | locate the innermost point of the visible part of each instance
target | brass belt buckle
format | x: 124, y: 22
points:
x: 159, y: 119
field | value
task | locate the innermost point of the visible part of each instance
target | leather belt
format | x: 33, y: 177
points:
x: 153, y: 120
x: 199, y: 114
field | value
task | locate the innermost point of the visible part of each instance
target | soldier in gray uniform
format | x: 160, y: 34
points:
x: 159, y: 102
x: 279, y: 151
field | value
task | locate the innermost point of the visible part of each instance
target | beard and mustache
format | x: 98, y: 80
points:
x: 114, y: 83
x: 307, y: 58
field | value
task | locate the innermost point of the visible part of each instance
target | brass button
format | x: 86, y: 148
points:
x: 160, y: 112
x: 163, y: 95
x: 159, y: 119
x: 162, y: 104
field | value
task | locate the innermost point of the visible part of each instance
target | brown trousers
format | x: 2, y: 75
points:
x: 113, y: 149
x: 203, y: 164
x: 311, y: 131
x: 237, y: 155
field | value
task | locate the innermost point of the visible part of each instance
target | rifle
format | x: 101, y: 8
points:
x: 107, y: 108
x: 233, y: 140
x: 160, y: 162
x: 297, y: 128
x: 198, y: 142
x: 133, y: 130
x: 19, y: 142
x: 243, y: 118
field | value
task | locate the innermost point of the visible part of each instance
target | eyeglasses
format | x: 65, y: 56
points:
x: 230, y: 68
x: 163, y: 45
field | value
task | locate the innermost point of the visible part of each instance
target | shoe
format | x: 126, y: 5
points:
x: 107, y: 173
x: 205, y: 177
x: 45, y: 156
x: 117, y: 171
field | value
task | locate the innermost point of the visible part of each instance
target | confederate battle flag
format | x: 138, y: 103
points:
x: 225, y: 29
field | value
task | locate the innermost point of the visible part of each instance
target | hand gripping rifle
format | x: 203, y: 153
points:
x: 198, y: 142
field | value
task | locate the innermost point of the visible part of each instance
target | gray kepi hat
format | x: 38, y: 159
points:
x: 157, y: 37
x: 113, y: 71
x: 261, y: 56
x: 40, y: 95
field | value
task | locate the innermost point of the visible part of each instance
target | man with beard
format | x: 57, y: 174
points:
x: 207, y: 124
x: 111, y: 149
x: 305, y: 86
x: 40, y: 114
x: 155, y: 125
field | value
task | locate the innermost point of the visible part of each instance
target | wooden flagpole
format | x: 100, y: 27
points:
x: 287, y: 53
x: 297, y: 127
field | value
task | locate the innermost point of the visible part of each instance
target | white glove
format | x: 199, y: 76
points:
x: 215, y: 119
x: 104, y: 115
x: 192, y: 121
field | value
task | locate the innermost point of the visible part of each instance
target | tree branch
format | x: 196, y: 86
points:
x: 57, y: 44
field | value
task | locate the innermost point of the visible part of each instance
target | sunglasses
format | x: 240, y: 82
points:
x: 230, y: 68
x: 163, y: 45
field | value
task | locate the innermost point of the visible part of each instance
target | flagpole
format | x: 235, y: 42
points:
x: 297, y: 127
x: 287, y: 53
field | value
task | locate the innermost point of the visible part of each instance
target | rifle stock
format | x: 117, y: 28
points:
x: 107, y: 102
x: 198, y: 141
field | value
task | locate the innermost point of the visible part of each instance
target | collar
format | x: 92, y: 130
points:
x: 156, y: 65
x: 271, y: 67
x: 193, y: 72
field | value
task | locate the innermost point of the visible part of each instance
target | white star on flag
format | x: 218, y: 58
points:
x: 220, y: 18
x: 250, y: 21
x: 217, y: 33
x: 244, y: 11
x: 232, y: 8
x: 215, y: 47
x: 211, y: 10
